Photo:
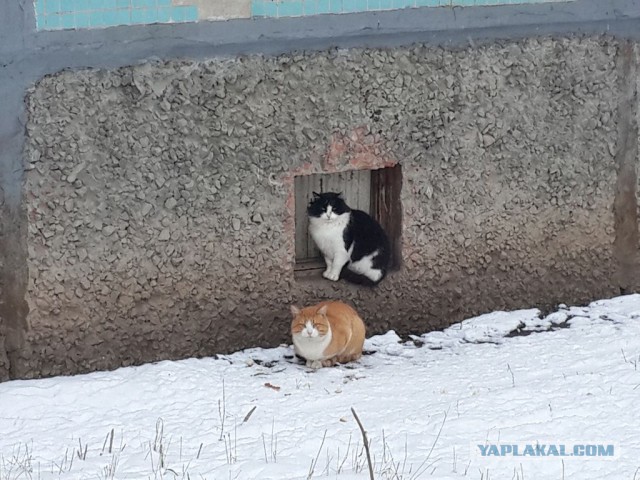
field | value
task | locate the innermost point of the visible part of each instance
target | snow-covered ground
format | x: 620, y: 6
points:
x: 570, y: 378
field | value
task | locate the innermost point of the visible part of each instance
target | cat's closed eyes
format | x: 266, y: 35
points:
x: 327, y: 333
x: 348, y: 239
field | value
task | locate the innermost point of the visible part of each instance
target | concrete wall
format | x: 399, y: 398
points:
x: 148, y: 209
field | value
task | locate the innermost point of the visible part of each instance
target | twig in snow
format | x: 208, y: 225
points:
x: 366, y: 443
x: 108, y: 438
x: 467, y: 468
x: 315, y: 462
x: 82, y: 454
x: 109, y: 471
x: 248, y: 415
x: 229, y: 448
x: 199, y: 450
x: 222, y: 411
x: 513, y: 379
x: 406, y: 451
x: 264, y: 446
x: 273, y: 448
x: 418, y: 472
x: 346, y: 455
x: 111, y: 442
x: 455, y: 468
x: 157, y: 442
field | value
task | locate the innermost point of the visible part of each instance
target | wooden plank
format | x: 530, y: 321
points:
x: 386, y: 187
x: 312, y: 264
x: 300, y: 186
x: 363, y: 191
x: 354, y: 185
x: 315, y: 185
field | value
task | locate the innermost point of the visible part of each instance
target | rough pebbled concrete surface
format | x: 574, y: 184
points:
x: 635, y: 125
x: 159, y: 196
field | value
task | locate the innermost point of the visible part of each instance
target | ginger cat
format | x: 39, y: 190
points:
x: 327, y: 333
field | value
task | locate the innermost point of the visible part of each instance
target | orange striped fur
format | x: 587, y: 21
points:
x: 327, y: 333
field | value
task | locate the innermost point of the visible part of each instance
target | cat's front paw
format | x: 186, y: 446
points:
x: 331, y: 276
x: 315, y: 364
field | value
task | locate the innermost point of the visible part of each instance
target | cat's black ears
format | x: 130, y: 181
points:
x: 317, y: 195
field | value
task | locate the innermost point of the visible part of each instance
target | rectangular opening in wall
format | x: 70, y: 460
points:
x: 376, y: 192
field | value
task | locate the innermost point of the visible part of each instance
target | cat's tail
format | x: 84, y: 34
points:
x: 359, y: 279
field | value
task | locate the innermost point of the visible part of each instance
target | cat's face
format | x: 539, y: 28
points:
x: 328, y: 206
x: 309, y: 324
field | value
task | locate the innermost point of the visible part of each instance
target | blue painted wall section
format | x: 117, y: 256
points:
x: 296, y: 8
x: 77, y: 14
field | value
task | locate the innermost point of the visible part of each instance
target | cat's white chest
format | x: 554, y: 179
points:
x: 329, y: 234
x: 311, y: 348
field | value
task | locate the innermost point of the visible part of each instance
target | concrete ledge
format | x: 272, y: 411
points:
x: 433, y: 25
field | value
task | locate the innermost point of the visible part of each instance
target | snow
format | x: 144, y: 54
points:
x: 570, y: 377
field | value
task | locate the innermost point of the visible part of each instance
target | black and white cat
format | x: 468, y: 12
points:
x: 348, y: 239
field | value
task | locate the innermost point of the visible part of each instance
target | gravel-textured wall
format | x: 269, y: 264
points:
x: 159, y: 196
x: 635, y: 262
x: 4, y: 361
